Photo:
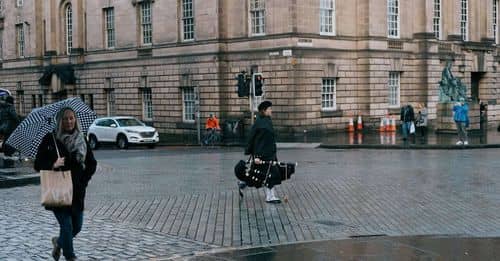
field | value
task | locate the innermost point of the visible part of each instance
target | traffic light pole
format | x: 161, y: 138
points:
x: 198, y: 118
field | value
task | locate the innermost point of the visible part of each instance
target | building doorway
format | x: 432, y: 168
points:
x: 474, y: 85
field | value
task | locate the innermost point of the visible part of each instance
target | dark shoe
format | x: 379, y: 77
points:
x: 242, y: 185
x: 56, y: 250
x: 274, y: 201
x: 72, y: 259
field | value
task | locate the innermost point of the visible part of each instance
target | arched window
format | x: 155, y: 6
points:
x: 68, y: 28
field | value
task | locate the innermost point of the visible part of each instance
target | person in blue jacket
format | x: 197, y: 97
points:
x: 461, y: 117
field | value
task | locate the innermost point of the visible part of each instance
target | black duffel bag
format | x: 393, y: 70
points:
x: 286, y: 169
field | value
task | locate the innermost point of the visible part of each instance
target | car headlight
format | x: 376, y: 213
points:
x: 132, y: 131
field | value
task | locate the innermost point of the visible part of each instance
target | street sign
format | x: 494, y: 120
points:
x: 287, y: 52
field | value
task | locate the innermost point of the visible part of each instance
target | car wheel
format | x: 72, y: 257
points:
x: 94, y: 144
x: 122, y: 142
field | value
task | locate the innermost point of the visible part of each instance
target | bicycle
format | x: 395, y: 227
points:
x: 212, y: 137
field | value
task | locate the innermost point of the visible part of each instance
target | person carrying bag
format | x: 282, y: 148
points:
x: 67, y: 151
x: 56, y: 185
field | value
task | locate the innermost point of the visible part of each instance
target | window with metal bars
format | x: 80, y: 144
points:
x: 147, y: 104
x: 394, y: 89
x: 20, y: 101
x: 329, y: 95
x: 110, y: 102
x: 188, y: 104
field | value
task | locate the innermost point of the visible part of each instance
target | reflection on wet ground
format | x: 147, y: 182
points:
x: 395, y: 138
x: 374, y: 248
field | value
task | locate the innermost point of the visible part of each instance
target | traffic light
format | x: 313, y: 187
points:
x: 243, y: 86
x: 259, y: 84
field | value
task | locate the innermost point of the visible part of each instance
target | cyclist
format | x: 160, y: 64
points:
x: 212, y: 129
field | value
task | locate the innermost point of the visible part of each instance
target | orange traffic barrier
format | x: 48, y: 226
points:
x: 350, y: 127
x: 351, y: 138
x: 382, y: 127
x: 387, y: 123
x: 393, y: 124
x: 360, y: 138
x: 359, y: 127
x: 393, y: 138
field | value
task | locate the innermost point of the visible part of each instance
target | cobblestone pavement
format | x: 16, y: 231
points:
x: 173, y: 203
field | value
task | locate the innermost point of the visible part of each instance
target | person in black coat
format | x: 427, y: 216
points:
x: 77, y: 157
x: 8, y: 123
x: 262, y: 146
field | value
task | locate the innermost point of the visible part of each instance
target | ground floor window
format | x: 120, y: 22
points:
x: 394, y: 89
x: 40, y: 100
x: 20, y: 102
x: 33, y: 101
x: 188, y: 104
x: 110, y: 102
x: 147, y: 104
x: 329, y: 95
x: 90, y: 101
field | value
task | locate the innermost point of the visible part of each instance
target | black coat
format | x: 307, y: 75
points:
x: 407, y: 114
x: 47, y: 155
x: 262, y: 145
x: 8, y: 119
x: 262, y: 142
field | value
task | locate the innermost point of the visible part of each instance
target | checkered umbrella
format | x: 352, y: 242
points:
x: 29, y: 134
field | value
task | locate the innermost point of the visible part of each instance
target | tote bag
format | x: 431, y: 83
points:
x: 57, y: 186
x: 412, y: 128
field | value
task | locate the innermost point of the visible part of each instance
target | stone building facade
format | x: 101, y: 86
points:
x: 323, y: 61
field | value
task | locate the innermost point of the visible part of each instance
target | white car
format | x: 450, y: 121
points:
x: 122, y: 131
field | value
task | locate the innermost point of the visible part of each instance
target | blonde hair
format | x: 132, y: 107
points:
x: 59, y: 118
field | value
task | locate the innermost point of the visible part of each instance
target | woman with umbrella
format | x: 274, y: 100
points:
x: 77, y: 157
x: 262, y: 146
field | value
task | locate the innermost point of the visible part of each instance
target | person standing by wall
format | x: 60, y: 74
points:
x: 421, y: 121
x: 483, y: 116
x: 407, y: 118
x: 461, y: 118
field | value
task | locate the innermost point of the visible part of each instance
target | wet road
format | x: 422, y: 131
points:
x: 187, y: 199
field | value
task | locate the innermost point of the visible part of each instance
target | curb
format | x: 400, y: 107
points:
x: 410, y: 146
x: 23, y: 180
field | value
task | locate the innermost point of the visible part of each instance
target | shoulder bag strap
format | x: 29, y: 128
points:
x: 55, y: 143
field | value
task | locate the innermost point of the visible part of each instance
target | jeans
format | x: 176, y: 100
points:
x: 405, y: 128
x: 462, y: 131
x: 70, y: 224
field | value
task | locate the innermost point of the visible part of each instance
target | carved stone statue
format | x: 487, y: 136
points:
x: 450, y: 87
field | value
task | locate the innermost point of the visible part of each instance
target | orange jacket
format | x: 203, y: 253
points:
x: 212, y: 123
